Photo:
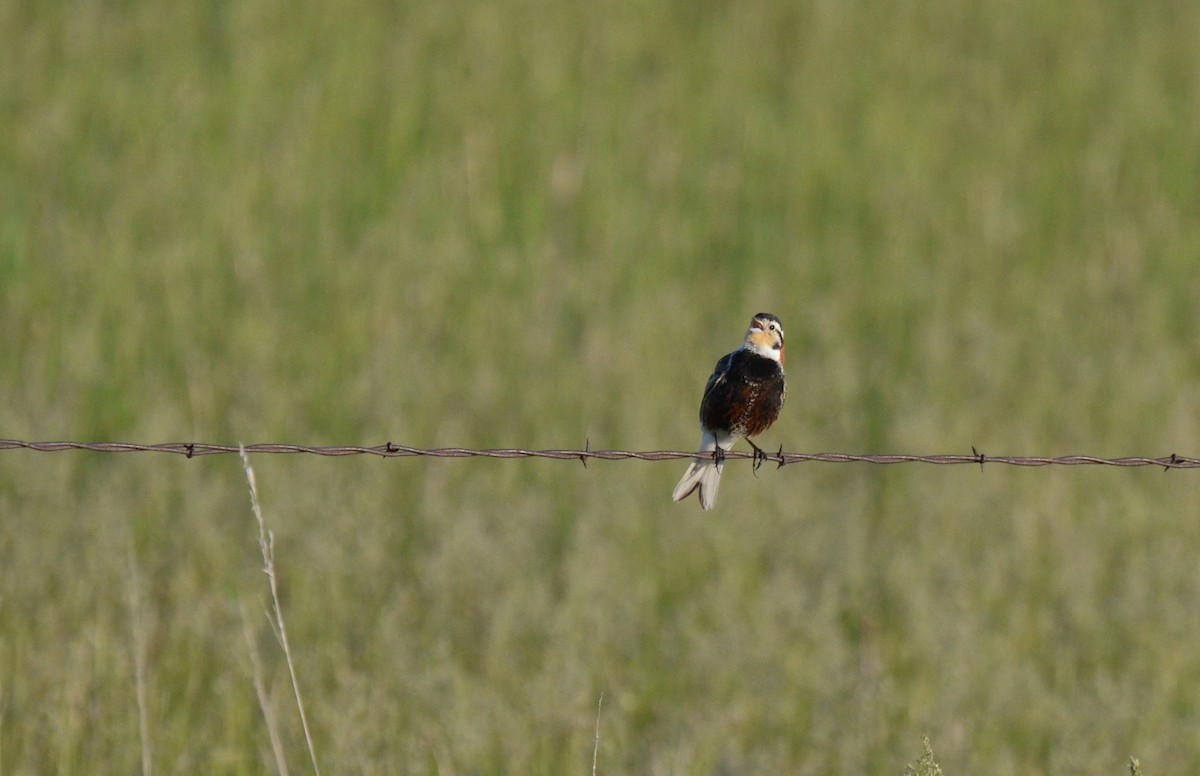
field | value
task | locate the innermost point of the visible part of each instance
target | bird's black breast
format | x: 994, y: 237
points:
x: 744, y: 395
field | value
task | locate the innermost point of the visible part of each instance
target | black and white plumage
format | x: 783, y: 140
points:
x: 742, y: 399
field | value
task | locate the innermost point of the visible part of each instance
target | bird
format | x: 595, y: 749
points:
x: 741, y: 399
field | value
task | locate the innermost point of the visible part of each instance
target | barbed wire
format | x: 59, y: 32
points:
x: 780, y: 458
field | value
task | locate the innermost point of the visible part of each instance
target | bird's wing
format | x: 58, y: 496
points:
x: 720, y: 372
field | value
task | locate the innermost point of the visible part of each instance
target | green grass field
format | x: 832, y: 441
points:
x: 533, y: 224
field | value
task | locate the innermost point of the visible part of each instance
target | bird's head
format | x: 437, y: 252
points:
x: 765, y: 337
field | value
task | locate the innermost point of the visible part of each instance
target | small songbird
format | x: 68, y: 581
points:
x: 741, y: 399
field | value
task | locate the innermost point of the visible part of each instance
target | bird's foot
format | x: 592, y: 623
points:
x: 759, y: 456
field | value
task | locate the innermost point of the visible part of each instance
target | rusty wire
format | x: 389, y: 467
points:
x: 780, y: 458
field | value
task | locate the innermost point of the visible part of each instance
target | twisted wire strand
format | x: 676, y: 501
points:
x: 781, y: 458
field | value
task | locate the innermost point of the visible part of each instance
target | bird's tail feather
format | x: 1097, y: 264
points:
x: 703, y: 472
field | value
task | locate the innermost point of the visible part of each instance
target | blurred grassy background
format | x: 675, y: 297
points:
x: 535, y: 223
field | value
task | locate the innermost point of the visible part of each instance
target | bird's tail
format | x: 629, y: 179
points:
x: 703, y: 472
